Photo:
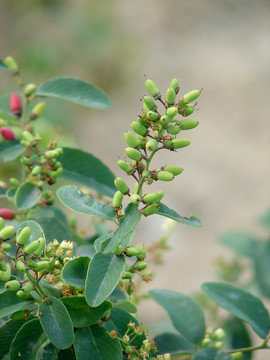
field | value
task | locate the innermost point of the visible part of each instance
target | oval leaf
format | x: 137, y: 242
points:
x: 103, y: 275
x: 76, y: 200
x: 53, y: 228
x: 167, y: 212
x: 173, y: 344
x: 186, y: 314
x: 240, y: 303
x: 74, y: 90
x: 56, y: 323
x: 95, y: 343
x: 84, y: 168
x: 27, y: 196
x: 9, y: 303
x: 205, y: 354
x: 10, y: 150
x: 8, y: 330
x: 74, y: 272
x: 241, y: 242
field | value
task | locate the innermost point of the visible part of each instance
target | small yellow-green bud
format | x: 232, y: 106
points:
x: 173, y: 129
x: 175, y: 85
x: 28, y: 136
x: 218, y: 345
x: 135, y: 199
x: 237, y: 355
x: 152, y: 89
x: 138, y: 128
x: 191, y: 96
x: 129, y: 350
x: 13, y: 285
x: 175, y: 170
x: 125, y: 166
x: 152, y: 145
x: 7, y: 232
x: 145, y: 173
x: 23, y: 236
x: 172, y: 111
x: 149, y: 102
x: 131, y: 251
x: 51, y: 154
x: 14, y: 182
x: 29, y: 249
x: 131, y: 139
x: 11, y: 64
x: 36, y: 170
x: 218, y: 334
x: 57, y: 172
x: 133, y: 154
x: 5, y: 275
x: 20, y: 266
x: 150, y: 210
x: 142, y: 265
x: 127, y: 275
x: 143, y: 121
x: 206, y: 341
x: 41, y: 246
x: 152, y: 115
x: 153, y: 197
x: 121, y: 185
x: 117, y: 200
x: 165, y: 176
x: 30, y: 89
x: 170, y: 96
x: 188, y: 124
x: 180, y: 143
x: 25, y: 161
x: 38, y: 110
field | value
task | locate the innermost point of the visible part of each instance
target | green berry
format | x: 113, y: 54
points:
x: 14, y: 182
x: 129, y: 350
x: 36, y: 170
x: 149, y: 102
x: 172, y: 111
x: 30, y: 89
x: 20, y: 266
x: 165, y: 120
x: 173, y: 129
x: 3, y: 266
x: 175, y: 85
x: 175, y: 170
x: 143, y: 121
x: 152, y: 115
x: 25, y: 161
x: 131, y: 139
x: 132, y: 251
x: 133, y: 154
x: 57, y: 172
x: 165, y: 176
x: 218, y: 334
x: 11, y: 64
x: 152, y: 89
x: 125, y: 166
x: 19, y: 315
x: 138, y: 128
x: 142, y: 265
x: 218, y: 345
x: 38, y: 110
x: 153, y: 197
x: 135, y: 199
x: 151, y: 145
x: 170, y: 96
x: 188, y: 124
x: 188, y: 110
x: 29, y: 249
x: 121, y: 185
x: 191, y: 96
x: 23, y: 236
x: 5, y: 275
x: 22, y: 295
x: 51, y: 154
x: 150, y: 210
x: 237, y: 355
x: 42, y: 265
x: 7, y: 232
x: 28, y: 136
x: 127, y: 275
x: 168, y: 144
x: 180, y: 143
x: 145, y: 173
x: 41, y: 247
x: 6, y: 246
x: 117, y: 200
x: 13, y: 285
x: 40, y: 184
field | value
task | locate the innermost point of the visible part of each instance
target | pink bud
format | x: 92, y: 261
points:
x: 7, y: 214
x: 7, y: 133
x: 15, y: 104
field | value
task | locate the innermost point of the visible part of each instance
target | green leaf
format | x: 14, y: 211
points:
x: 11, y: 193
x: 3, y: 66
x: 103, y: 275
x: 237, y: 335
x: 95, y: 343
x: 241, y: 242
x: 76, y: 200
x: 27, y: 341
x: 119, y: 320
x: 8, y: 330
x: 81, y: 313
x: 262, y: 267
x: 27, y: 196
x: 56, y: 323
x: 66, y: 354
x: 205, y: 354
x: 222, y: 355
x: 102, y: 239
x: 126, y: 305
x: 240, y: 303
x: 186, y: 314
x: 49, y: 352
x: 74, y: 90
x: 165, y: 211
x: 49, y: 288
x: 36, y: 230
x: 84, y: 168
x: 9, y: 303
x: 74, y: 271
x: 173, y: 344
x: 125, y: 230
x: 10, y: 150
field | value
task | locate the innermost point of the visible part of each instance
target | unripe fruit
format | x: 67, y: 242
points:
x: 135, y: 199
x: 14, y: 182
x: 7, y: 232
x: 22, y: 295
x: 29, y: 249
x: 11, y: 64
x: 131, y: 139
x: 151, y: 209
x: 25, y: 161
x: 143, y: 121
x: 132, y: 251
x: 180, y: 143
x: 5, y: 275
x: 175, y: 170
x: 237, y: 355
x: 28, y: 136
x: 36, y: 170
x: 7, y: 133
x: 117, y: 200
x: 173, y: 129
x: 15, y: 104
x: 146, y: 173
x: 23, y: 236
x: 205, y: 342
x: 57, y: 172
x: 138, y: 128
x: 191, y: 96
x: 129, y: 350
x: 175, y: 85
x: 30, y: 89
x: 3, y: 266
x: 51, y: 154
x: 42, y: 265
x: 153, y: 197
x: 125, y: 166
x: 149, y: 102
x: 165, y: 120
x: 41, y: 246
x: 6, y: 246
x: 165, y: 176
x: 133, y: 154
x: 172, y: 111
x: 28, y: 287
x: 142, y: 265
x: 218, y: 334
x: 188, y: 124
x: 7, y: 214
x: 152, y: 89
x: 218, y: 345
x: 31, y: 264
x: 19, y: 315
x: 170, y: 96
x: 20, y: 266
x: 121, y: 185
x: 127, y: 275
x: 152, y: 115
x: 13, y: 285
x: 152, y: 145
x: 188, y: 110
x: 38, y: 110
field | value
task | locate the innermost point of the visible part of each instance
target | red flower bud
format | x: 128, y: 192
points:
x: 7, y: 214
x: 7, y: 133
x: 15, y: 104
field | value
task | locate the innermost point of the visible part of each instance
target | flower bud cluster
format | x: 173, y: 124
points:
x: 213, y: 338
x: 153, y: 131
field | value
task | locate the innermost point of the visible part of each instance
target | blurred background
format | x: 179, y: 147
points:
x: 220, y: 46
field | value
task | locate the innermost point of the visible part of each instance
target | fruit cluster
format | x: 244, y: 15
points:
x: 154, y: 131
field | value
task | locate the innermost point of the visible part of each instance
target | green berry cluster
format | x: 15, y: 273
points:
x: 153, y: 131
